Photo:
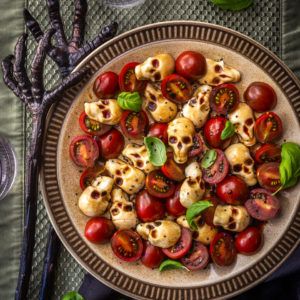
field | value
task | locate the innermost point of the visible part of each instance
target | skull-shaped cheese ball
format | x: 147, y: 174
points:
x: 180, y: 137
x: 94, y: 199
x: 197, y: 108
x: 160, y: 108
x: 217, y: 73
x: 243, y: 120
x: 155, y: 68
x: 233, y: 218
x: 162, y: 233
x: 105, y: 111
x: 127, y: 177
x: 138, y: 156
x: 241, y: 162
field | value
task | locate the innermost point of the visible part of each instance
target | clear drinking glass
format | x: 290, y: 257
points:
x: 122, y: 3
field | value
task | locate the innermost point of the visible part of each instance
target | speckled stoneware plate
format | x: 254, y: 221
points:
x: 60, y: 177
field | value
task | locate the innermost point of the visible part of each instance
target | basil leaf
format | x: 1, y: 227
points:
x: 234, y: 5
x: 130, y: 101
x: 228, y: 131
x: 209, y: 158
x: 170, y: 264
x: 194, y: 210
x: 72, y: 296
x: 156, y: 150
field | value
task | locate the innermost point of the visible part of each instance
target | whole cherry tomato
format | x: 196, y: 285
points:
x: 248, y: 241
x: 159, y: 130
x: 208, y: 213
x: 106, y: 85
x: 173, y: 205
x: 267, y: 153
x: 92, y: 127
x: 268, y: 176
x: 152, y: 256
x: 172, y: 170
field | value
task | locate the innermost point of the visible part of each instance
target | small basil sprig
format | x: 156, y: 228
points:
x: 156, y: 150
x: 130, y: 101
x: 194, y: 210
x: 170, y: 264
x: 209, y: 158
x: 72, y: 296
x: 234, y: 5
x: 228, y: 131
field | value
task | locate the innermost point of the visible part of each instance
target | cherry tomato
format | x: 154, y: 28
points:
x: 111, y: 144
x: 89, y: 175
x: 267, y: 153
x: 197, y: 258
x: 218, y: 171
x: 106, y: 85
x: 208, y: 213
x: 159, y: 185
x: 224, y: 98
x: 172, y: 170
x: 84, y: 151
x: 159, y: 130
x: 92, y: 127
x: 149, y: 208
x: 268, y: 176
x: 198, y: 147
x: 127, y: 245
x: 152, y: 256
x: 222, y: 249
x: 182, y: 247
x: 260, y: 96
x: 268, y: 127
x: 248, y: 241
x: 99, y: 230
x: 134, y: 124
x: 173, y: 205
x: 262, y: 205
x: 128, y: 81
x: 233, y: 190
x: 176, y: 88
x: 190, y: 64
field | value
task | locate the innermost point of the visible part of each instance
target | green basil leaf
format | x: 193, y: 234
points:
x: 72, y: 296
x: 130, y: 101
x: 209, y: 158
x: 170, y: 264
x: 234, y: 5
x: 156, y: 150
x: 194, y: 210
x: 228, y: 131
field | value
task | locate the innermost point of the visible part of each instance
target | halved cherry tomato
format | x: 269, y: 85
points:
x: 268, y: 176
x: 182, y: 247
x: 262, y: 205
x: 92, y: 127
x: 89, y: 174
x: 176, y: 88
x: 128, y: 81
x: 208, y: 213
x: 106, y: 85
x: 218, y: 171
x: 173, y: 205
x: 248, y: 241
x: 134, y: 124
x: 197, y: 258
x: 224, y: 98
x: 198, y: 147
x: 152, y: 256
x: 267, y: 153
x: 127, y: 245
x: 268, y: 127
x: 158, y: 185
x: 84, y: 151
x: 172, y: 170
x: 222, y: 249
x: 159, y: 130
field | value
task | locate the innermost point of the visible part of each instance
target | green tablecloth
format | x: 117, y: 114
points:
x: 274, y: 23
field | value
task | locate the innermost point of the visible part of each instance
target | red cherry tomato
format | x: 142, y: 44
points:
x: 268, y: 176
x: 267, y: 153
x: 134, y: 124
x: 159, y: 130
x: 222, y: 249
x: 248, y: 241
x: 111, y: 144
x: 84, y: 151
x: 92, y: 127
x: 99, y: 230
x: 128, y: 81
x: 208, y: 213
x: 152, y: 256
x: 233, y: 190
x: 106, y: 85
x: 198, y: 147
x: 149, y: 208
x: 224, y: 98
x: 260, y: 96
x: 268, y: 127
x: 172, y: 170
x: 127, y: 245
x: 159, y: 185
x: 197, y: 258
x: 176, y: 88
x: 190, y: 64
x: 89, y: 175
x: 173, y: 205
x: 262, y: 205
x: 182, y: 247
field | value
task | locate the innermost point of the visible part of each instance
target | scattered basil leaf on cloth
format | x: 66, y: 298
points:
x: 234, y: 5
x: 156, y: 150
x: 72, y: 296
x: 170, y: 264
x: 130, y: 101
x: 228, y: 131
x: 194, y: 210
x: 209, y: 158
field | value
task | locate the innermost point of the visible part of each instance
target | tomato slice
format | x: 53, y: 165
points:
x: 128, y: 81
x: 197, y: 258
x: 127, y: 245
x: 268, y: 176
x: 199, y: 146
x: 176, y: 88
x: 92, y: 127
x: 90, y: 174
x: 152, y: 256
x: 208, y: 213
x: 267, y: 153
x: 222, y: 249
x: 159, y: 185
x: 84, y: 151
x: 172, y: 170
